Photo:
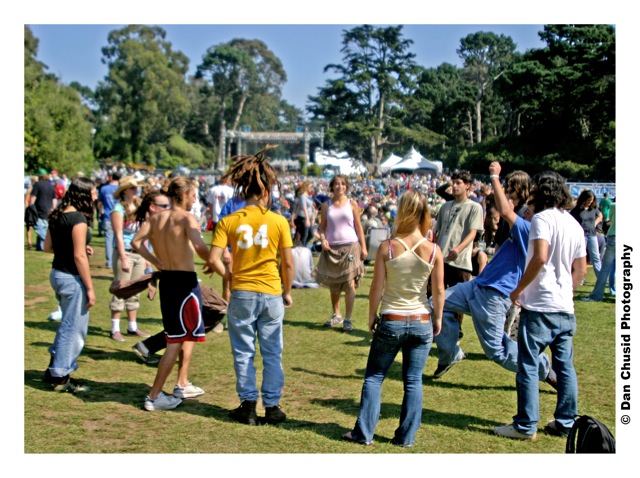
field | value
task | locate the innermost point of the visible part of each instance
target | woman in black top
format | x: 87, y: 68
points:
x: 68, y: 238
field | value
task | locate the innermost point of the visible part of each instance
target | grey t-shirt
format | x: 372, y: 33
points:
x: 455, y: 221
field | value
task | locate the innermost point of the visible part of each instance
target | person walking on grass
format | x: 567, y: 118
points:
x: 399, y: 289
x: 68, y: 240
x: 344, y: 249
x: 555, y: 266
x: 257, y: 237
x: 174, y: 234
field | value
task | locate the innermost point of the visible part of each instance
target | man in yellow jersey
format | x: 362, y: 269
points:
x: 257, y: 237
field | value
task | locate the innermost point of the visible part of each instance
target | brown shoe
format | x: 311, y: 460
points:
x: 117, y: 336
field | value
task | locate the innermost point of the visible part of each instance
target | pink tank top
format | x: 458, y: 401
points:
x: 340, y: 229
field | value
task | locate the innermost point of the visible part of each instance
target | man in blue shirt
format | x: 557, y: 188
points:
x: 105, y: 206
x: 486, y: 298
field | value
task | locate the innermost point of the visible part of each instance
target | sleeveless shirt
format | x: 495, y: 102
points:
x: 405, y: 289
x: 340, y: 228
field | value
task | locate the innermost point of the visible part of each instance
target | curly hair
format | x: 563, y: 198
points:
x: 252, y: 175
x: 413, y: 211
x: 550, y: 190
x: 79, y: 195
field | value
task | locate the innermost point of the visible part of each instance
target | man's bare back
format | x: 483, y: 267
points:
x: 174, y: 235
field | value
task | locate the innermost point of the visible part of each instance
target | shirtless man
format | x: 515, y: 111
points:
x: 174, y: 234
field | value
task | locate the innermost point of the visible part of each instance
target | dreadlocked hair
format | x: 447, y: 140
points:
x: 252, y: 175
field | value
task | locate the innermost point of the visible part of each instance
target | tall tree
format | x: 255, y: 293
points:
x: 56, y: 131
x: 144, y: 94
x: 486, y: 57
x: 564, y: 95
x: 377, y: 69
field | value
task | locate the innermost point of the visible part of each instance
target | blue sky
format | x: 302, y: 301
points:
x: 73, y: 52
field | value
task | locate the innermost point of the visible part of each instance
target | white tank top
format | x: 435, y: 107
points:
x: 340, y: 228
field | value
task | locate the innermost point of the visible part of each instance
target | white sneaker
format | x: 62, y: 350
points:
x: 334, y: 321
x: 56, y: 315
x: 163, y: 402
x: 509, y: 431
x: 190, y: 391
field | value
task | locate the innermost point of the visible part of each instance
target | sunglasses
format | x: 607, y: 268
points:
x: 164, y: 206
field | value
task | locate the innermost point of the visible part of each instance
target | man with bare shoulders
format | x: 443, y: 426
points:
x: 174, y: 235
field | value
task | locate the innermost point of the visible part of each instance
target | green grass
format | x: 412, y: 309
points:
x: 323, y: 376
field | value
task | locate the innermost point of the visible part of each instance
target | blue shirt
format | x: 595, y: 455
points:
x: 105, y: 196
x: 505, y: 270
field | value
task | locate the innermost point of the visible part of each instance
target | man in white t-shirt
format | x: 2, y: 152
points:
x: 218, y: 196
x: 556, y: 263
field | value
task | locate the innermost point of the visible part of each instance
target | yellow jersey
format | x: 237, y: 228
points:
x: 255, y: 235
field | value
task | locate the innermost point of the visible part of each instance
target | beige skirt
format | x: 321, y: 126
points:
x: 337, y: 267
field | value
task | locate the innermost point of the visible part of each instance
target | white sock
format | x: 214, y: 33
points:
x: 132, y: 326
x: 115, y: 325
x: 142, y: 347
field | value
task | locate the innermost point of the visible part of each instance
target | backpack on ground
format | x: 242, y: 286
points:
x: 589, y: 435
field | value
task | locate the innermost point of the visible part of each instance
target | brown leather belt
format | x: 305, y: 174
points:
x: 420, y: 317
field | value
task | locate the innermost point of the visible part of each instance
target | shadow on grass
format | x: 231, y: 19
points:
x: 429, y: 416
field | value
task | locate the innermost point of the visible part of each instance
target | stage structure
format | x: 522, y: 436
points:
x: 243, y: 137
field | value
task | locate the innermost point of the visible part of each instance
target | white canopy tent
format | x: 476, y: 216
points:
x: 341, y: 161
x: 391, y: 161
x: 414, y: 161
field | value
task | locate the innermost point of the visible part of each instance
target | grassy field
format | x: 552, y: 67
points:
x: 323, y: 376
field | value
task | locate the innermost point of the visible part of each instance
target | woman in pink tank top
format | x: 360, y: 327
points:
x: 340, y: 266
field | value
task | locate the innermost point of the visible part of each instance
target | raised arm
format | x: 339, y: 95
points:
x: 504, y: 207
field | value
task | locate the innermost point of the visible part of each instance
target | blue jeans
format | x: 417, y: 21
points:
x: 41, y: 232
x: 251, y: 315
x: 72, y: 331
x: 608, y: 271
x: 488, y: 308
x: 594, y: 253
x: 108, y: 240
x: 537, y: 331
x: 414, y: 338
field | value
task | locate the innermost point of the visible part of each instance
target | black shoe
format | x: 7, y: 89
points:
x: 553, y: 428
x: 443, y: 368
x: 552, y: 379
x: 246, y: 413
x: 274, y: 415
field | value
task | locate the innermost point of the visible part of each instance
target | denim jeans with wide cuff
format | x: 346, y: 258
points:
x: 414, y: 339
x: 488, y: 308
x: 72, y: 331
x: 537, y: 331
x: 251, y: 315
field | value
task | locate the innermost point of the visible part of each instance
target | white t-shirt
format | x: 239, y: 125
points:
x: 218, y: 197
x: 552, y: 289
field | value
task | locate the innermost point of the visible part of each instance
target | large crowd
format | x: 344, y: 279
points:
x: 509, y: 253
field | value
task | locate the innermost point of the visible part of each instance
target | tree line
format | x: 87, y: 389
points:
x: 546, y: 108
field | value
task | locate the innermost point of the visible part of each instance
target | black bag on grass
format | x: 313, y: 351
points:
x: 589, y: 435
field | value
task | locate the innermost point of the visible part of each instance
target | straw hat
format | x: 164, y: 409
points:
x: 125, y: 183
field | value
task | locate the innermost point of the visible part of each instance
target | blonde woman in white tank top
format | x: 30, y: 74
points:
x: 403, y: 267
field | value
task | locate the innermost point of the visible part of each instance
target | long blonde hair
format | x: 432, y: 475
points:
x: 413, y: 211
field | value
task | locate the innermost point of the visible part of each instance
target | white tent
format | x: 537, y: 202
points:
x: 341, y: 161
x: 391, y: 161
x: 414, y: 161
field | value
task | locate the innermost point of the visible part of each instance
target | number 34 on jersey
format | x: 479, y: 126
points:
x: 246, y: 239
